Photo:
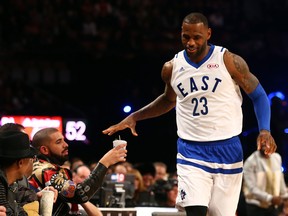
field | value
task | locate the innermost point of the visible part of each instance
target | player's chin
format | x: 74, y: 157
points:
x: 191, y: 51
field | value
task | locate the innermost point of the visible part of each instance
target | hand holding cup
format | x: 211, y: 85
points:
x: 46, y: 202
x: 117, y: 142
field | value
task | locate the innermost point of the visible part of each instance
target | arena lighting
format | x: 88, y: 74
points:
x: 250, y: 131
x: 34, y: 123
x: 73, y: 129
x: 278, y: 94
x: 281, y: 96
x: 127, y: 109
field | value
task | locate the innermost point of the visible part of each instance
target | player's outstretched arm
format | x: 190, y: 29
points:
x: 161, y: 105
x: 128, y: 122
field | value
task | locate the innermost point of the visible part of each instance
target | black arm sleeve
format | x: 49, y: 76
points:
x: 87, y: 189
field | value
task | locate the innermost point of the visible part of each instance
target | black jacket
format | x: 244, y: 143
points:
x: 8, y: 198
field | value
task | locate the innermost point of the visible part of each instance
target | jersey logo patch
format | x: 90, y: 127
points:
x: 181, y: 69
x: 212, y: 66
x: 182, y: 194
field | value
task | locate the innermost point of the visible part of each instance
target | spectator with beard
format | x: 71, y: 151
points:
x: 53, y: 152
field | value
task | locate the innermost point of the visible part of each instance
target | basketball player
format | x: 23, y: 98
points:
x: 203, y: 82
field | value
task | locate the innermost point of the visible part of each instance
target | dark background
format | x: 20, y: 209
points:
x: 49, y: 64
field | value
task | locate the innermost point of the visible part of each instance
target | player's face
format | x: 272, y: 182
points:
x: 194, y: 39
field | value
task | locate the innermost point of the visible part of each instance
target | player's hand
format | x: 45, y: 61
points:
x: 128, y: 122
x: 266, y: 137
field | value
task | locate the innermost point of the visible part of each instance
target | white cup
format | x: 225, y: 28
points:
x: 46, y: 203
x: 118, y: 142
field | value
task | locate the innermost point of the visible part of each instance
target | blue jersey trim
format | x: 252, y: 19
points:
x: 197, y: 65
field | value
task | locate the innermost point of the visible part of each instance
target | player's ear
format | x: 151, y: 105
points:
x: 209, y: 33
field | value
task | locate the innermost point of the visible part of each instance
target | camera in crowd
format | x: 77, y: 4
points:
x: 117, y: 189
x: 161, y: 188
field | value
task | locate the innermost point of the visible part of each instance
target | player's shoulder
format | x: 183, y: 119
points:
x: 169, y: 64
x: 167, y: 70
x: 218, y: 48
x: 228, y: 54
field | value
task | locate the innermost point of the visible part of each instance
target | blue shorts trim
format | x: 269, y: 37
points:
x: 209, y: 169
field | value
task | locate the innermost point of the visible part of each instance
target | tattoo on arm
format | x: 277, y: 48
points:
x: 242, y: 74
x: 240, y: 64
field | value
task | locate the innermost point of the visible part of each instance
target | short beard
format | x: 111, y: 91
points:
x: 57, y: 159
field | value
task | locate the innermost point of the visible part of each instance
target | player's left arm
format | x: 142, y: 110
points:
x: 249, y: 83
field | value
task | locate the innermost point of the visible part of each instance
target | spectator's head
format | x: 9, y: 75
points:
x: 81, y: 173
x: 128, y: 165
x: 51, y: 144
x: 76, y: 162
x: 92, y: 165
x: 138, y: 182
x: 148, y: 172
x: 21, y: 128
x: 161, y: 170
x: 12, y: 127
x: 120, y: 169
x: 16, y: 154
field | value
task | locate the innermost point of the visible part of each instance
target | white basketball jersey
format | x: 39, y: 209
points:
x: 209, y: 102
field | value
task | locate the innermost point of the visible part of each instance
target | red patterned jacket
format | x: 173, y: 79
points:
x: 46, y: 174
